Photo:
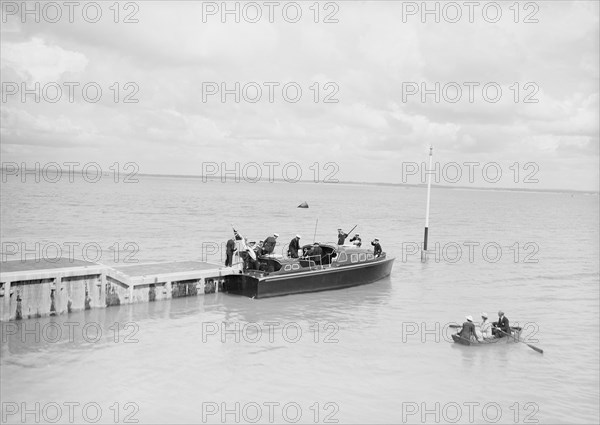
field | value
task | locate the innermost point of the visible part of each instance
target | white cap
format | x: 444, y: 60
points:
x: 298, y: 236
x: 276, y: 235
x: 469, y: 318
x: 484, y: 315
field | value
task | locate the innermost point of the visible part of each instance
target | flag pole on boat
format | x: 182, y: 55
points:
x: 315, y: 236
x: 429, y: 171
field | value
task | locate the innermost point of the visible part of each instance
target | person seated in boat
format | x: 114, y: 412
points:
x: 377, y: 246
x: 315, y: 253
x: 269, y: 245
x: 294, y: 247
x: 485, y: 328
x: 342, y: 237
x: 356, y: 240
x: 501, y: 327
x: 468, y: 330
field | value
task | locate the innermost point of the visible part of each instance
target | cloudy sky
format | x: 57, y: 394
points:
x: 361, y: 68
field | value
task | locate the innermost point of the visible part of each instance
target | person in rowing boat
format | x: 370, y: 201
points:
x: 342, y: 237
x: 501, y: 327
x: 356, y: 240
x: 468, y: 330
x: 485, y: 327
x: 377, y: 252
x: 294, y: 247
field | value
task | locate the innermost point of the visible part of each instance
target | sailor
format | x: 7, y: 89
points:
x: 486, y: 327
x: 269, y: 245
x: 341, y: 237
x: 501, y: 327
x: 294, y: 247
x: 356, y: 240
x: 229, y: 250
x: 315, y: 253
x: 378, y: 250
x: 468, y: 330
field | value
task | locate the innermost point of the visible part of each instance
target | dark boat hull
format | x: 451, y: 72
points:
x: 506, y: 340
x: 308, y: 281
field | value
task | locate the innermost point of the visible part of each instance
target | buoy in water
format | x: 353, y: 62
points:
x: 303, y: 205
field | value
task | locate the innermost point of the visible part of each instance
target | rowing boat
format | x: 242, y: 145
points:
x: 515, y: 332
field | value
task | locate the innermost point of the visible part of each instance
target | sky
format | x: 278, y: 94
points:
x: 505, y: 92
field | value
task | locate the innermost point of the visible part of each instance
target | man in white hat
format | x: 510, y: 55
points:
x: 294, y: 247
x: 468, y: 330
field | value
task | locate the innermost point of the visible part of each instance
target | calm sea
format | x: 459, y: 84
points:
x: 372, y: 354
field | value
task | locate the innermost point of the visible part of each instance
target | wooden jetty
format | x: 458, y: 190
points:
x: 36, y: 288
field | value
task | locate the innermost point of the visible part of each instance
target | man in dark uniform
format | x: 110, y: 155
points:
x: 501, y: 325
x: 229, y: 250
x: 294, y: 247
x: 378, y: 249
x: 356, y: 240
x: 269, y: 245
x: 341, y: 237
x: 315, y: 253
x: 468, y: 330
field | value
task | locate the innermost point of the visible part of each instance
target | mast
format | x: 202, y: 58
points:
x: 426, y: 234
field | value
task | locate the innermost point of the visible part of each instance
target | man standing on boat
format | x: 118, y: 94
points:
x: 468, y: 330
x: 378, y: 249
x: 356, y: 240
x: 501, y: 326
x: 269, y: 245
x: 341, y: 237
x: 294, y: 247
x: 229, y: 250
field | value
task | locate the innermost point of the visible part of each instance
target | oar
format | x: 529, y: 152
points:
x: 533, y: 347
x: 351, y: 230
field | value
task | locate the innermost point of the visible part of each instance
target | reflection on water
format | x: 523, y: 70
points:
x: 170, y: 359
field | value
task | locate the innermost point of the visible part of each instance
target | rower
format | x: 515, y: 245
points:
x: 501, y: 327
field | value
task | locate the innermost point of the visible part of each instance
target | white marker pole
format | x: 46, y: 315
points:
x: 429, y: 171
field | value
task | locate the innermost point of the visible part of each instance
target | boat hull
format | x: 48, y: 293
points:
x: 494, y: 341
x: 313, y: 280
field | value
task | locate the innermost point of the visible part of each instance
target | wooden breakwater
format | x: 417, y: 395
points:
x: 36, y: 288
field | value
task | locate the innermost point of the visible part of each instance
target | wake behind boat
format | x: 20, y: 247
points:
x: 336, y: 267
